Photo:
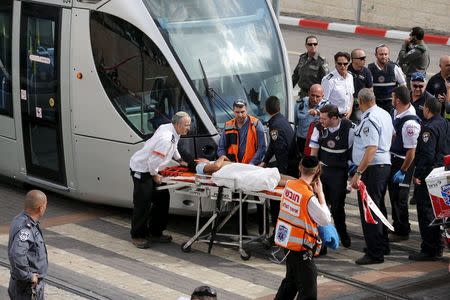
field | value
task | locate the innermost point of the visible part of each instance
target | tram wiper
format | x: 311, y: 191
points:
x: 213, y: 95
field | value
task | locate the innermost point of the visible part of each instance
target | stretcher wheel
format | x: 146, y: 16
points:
x: 185, y: 249
x: 244, y: 254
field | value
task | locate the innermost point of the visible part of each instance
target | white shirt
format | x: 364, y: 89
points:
x: 319, y: 212
x: 339, y: 90
x: 375, y: 129
x: 399, y: 77
x: 314, y: 142
x: 157, y: 152
x: 410, y: 129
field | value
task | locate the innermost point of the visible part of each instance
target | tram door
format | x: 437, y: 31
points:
x: 40, y: 92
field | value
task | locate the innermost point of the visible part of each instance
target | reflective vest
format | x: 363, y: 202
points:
x: 295, y: 229
x: 232, y: 140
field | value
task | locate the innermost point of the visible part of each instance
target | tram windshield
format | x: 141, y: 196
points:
x: 229, y: 49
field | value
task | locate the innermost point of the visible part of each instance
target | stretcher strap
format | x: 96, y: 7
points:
x: 367, y: 214
x: 174, y: 171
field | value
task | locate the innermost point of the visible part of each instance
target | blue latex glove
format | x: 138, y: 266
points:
x: 329, y: 236
x: 352, y: 169
x: 399, y: 177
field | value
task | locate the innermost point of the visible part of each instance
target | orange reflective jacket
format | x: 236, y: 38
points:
x: 232, y: 140
x: 295, y: 229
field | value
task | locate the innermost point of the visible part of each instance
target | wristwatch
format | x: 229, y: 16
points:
x: 359, y: 173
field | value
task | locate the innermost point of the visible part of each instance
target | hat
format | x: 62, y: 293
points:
x: 418, y: 76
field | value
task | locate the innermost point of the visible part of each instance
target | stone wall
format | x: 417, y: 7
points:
x: 429, y: 14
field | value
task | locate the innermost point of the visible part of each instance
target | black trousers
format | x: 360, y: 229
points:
x: 376, y: 179
x: 334, y: 182
x: 431, y: 235
x: 21, y: 290
x: 300, y: 280
x: 151, y: 208
x: 301, y: 145
x: 399, y: 194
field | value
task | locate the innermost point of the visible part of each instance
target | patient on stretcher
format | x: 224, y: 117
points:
x: 241, y: 176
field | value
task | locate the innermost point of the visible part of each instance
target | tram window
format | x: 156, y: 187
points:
x: 136, y: 76
x: 5, y: 58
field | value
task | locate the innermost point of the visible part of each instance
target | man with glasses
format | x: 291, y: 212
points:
x: 338, y: 85
x: 414, y: 55
x: 243, y: 141
x: 362, y: 78
x: 386, y: 76
x: 311, y: 67
x: 418, y: 93
x: 307, y: 112
x: 439, y: 84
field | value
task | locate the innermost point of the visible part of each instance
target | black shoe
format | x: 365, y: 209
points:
x: 385, y: 252
x: 367, y: 260
x: 141, y: 243
x: 421, y: 256
x: 163, y: 238
x: 346, y: 241
x: 393, y: 237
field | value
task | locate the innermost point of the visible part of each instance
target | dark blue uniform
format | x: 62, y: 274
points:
x: 283, y: 147
x: 27, y: 255
x: 419, y: 103
x: 432, y: 146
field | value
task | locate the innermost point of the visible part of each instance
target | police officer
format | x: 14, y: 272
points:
x: 281, y: 146
x: 311, y: 67
x: 439, y: 83
x: 331, y: 142
x: 298, y: 232
x: 432, y: 146
x: 362, y: 78
x: 306, y: 113
x: 418, y: 92
x: 27, y: 251
x: 338, y: 86
x: 414, y: 55
x: 403, y: 149
x: 151, y: 207
x: 371, y: 154
x: 386, y: 76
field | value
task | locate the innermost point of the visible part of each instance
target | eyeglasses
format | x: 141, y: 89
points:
x: 205, y: 291
x: 361, y: 58
x: 312, y: 44
x: 342, y: 64
x: 418, y: 86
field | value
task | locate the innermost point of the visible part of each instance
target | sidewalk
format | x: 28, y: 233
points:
x: 359, y: 29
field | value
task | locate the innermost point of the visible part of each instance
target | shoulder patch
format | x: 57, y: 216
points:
x: 173, y: 139
x: 329, y: 76
x: 24, y: 235
x: 274, y: 134
x: 426, y: 136
x: 366, y: 131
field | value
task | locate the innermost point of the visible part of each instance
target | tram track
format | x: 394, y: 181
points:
x: 64, y: 285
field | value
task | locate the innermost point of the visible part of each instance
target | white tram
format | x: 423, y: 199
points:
x: 83, y: 83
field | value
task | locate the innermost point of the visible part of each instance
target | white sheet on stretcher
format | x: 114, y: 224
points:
x: 246, y: 177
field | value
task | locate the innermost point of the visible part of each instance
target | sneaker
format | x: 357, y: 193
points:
x: 368, y: 260
x: 141, y: 243
x: 393, y: 237
x: 421, y: 256
x: 163, y: 238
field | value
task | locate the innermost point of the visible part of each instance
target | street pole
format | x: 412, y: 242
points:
x: 358, y: 12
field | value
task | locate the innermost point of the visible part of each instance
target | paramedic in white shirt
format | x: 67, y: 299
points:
x: 151, y: 207
x: 338, y: 86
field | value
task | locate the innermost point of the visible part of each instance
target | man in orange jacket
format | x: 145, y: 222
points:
x: 298, y: 233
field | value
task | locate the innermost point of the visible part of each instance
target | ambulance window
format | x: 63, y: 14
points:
x: 5, y: 58
x: 136, y: 76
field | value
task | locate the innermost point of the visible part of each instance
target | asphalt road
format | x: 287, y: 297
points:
x: 331, y: 42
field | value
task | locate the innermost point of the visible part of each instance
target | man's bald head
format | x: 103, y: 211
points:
x: 444, y: 64
x: 34, y: 200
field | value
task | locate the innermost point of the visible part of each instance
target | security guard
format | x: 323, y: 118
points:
x: 414, y: 55
x: 371, y: 154
x: 331, y: 142
x: 243, y: 141
x: 27, y: 251
x: 386, y: 76
x: 362, y: 77
x: 403, y: 149
x: 302, y: 209
x: 151, y: 207
x: 311, y: 67
x: 432, y: 146
x: 281, y: 146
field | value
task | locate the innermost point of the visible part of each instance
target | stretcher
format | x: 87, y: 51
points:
x: 228, y: 200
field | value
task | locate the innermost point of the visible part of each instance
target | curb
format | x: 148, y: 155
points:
x: 359, y: 29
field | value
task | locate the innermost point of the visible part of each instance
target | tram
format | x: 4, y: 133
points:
x: 83, y: 84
